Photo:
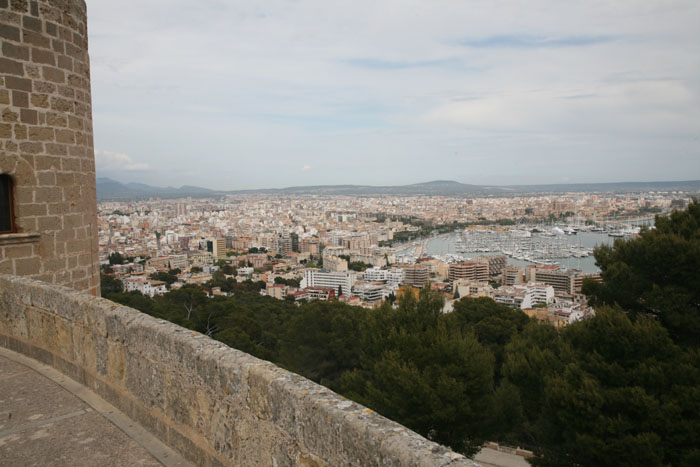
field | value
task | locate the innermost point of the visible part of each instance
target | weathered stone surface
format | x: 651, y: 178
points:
x: 40, y: 85
x: 216, y: 405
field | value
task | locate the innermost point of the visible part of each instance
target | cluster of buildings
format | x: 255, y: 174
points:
x: 311, y: 247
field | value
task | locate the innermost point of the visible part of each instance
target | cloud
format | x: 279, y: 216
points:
x: 378, y: 64
x: 106, y: 160
x: 530, y: 42
x: 518, y: 89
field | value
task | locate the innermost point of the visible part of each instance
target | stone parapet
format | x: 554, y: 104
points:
x: 215, y: 405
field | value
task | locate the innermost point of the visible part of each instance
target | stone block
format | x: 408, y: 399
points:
x: 27, y: 266
x: 36, y: 39
x: 41, y: 134
x: 43, y: 56
x: 9, y: 116
x: 20, y: 84
x: 61, y: 104
x: 56, y: 120
x: 54, y: 75
x: 28, y: 116
x: 11, y: 67
x: 19, y: 98
x: 20, y: 132
x: 17, y: 52
x: 33, y: 24
x: 43, y: 86
x: 31, y: 148
x: 5, y: 130
x: 40, y: 100
x: 65, y: 63
x: 9, y: 32
x: 21, y: 6
x: 65, y: 137
x: 51, y: 28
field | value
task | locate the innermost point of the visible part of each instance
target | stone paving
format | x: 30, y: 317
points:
x: 48, y: 419
x: 491, y: 458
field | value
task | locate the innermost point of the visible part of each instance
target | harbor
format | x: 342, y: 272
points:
x: 567, y: 246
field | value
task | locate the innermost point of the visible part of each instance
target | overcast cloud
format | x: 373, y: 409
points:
x: 233, y: 94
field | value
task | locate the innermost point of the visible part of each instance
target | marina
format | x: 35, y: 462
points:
x: 570, y: 247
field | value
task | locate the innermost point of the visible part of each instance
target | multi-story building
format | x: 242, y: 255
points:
x: 393, y: 277
x: 295, y: 242
x: 146, y: 286
x: 284, y: 243
x: 219, y: 248
x: 512, y: 275
x: 470, y: 270
x: 467, y: 288
x: 370, y: 292
x: 325, y: 294
x: 335, y: 264
x: 564, y: 281
x: 342, y: 282
x: 524, y: 296
x: 198, y: 258
x: 416, y: 275
x: 496, y: 263
x: 178, y: 262
x: 309, y: 245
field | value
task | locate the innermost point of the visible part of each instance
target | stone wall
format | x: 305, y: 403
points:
x: 46, y: 142
x: 215, y: 405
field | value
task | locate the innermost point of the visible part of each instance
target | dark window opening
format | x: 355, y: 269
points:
x: 7, y: 221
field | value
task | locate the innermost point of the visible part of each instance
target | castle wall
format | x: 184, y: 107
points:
x: 215, y: 405
x: 46, y: 142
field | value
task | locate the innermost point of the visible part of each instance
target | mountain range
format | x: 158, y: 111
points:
x: 108, y: 189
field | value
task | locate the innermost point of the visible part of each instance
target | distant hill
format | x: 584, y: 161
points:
x: 108, y: 189
x: 615, y: 187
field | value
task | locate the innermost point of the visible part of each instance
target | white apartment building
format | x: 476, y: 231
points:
x: 370, y: 292
x: 147, y: 287
x: 324, y: 278
x: 393, y: 277
x: 524, y: 296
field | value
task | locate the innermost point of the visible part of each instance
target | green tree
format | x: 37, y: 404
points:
x: 656, y: 274
x: 420, y: 371
x: 116, y: 258
x: 494, y: 324
x: 322, y: 340
x: 109, y: 284
x: 626, y: 395
x: 166, y: 277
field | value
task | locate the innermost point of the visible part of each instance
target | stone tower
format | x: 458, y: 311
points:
x: 47, y: 163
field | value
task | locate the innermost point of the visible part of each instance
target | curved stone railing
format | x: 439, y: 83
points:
x: 213, y: 404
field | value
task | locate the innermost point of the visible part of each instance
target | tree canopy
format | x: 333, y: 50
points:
x: 656, y: 274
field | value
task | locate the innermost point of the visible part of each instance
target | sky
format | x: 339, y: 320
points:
x: 262, y: 94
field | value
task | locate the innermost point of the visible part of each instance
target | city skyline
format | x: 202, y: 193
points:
x: 307, y: 93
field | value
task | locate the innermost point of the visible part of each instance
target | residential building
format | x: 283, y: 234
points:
x: 470, y: 270
x: 564, y: 281
x: 370, y: 292
x: 512, y: 275
x: 416, y: 275
x: 219, y: 248
x: 342, y: 282
x: 496, y: 263
x: 524, y: 296
x: 469, y: 288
